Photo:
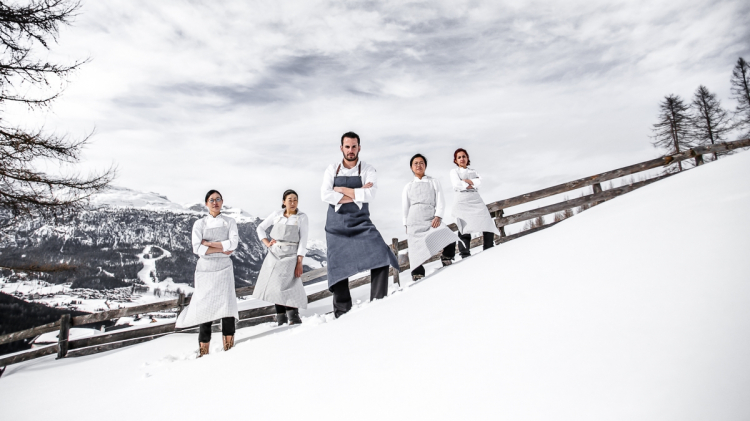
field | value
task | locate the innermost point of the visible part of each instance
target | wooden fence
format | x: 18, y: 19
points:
x: 91, y: 345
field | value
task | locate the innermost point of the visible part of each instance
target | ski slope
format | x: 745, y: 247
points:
x: 637, y: 309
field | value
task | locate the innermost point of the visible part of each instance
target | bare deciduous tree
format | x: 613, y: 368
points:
x: 25, y: 190
x: 710, y: 123
x: 741, y: 93
x: 672, y: 132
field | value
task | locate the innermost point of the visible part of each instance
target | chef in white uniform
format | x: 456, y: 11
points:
x: 279, y: 279
x: 215, y: 237
x: 423, y: 204
x: 469, y: 209
x: 354, y: 243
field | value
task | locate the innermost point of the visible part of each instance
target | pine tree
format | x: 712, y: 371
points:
x: 672, y: 132
x: 710, y: 123
x: 26, y: 32
x: 741, y: 93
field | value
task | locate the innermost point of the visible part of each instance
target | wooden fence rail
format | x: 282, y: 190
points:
x: 611, y: 175
x: 265, y: 314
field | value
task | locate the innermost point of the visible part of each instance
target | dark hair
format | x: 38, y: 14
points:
x: 350, y: 135
x: 210, y: 192
x: 287, y: 193
x: 455, y: 154
x: 419, y: 155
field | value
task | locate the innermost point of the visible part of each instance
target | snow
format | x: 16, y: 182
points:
x: 147, y: 274
x: 122, y: 197
x: 32, y: 287
x: 75, y: 333
x: 636, y: 309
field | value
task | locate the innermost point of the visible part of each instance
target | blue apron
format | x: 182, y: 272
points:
x: 354, y: 244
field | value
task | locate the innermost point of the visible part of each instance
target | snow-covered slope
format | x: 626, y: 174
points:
x: 634, y: 310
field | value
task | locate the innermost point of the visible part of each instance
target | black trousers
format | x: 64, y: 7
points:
x: 448, y: 253
x: 227, y: 329
x: 283, y: 309
x: 463, y: 245
x: 342, y: 297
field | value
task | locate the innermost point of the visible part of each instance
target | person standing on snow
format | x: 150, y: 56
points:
x: 354, y: 244
x: 279, y: 278
x: 215, y: 237
x: 469, y: 209
x: 423, y: 204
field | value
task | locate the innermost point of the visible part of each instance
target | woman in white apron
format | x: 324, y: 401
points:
x: 279, y: 278
x: 423, y: 204
x: 214, y: 238
x: 469, y: 209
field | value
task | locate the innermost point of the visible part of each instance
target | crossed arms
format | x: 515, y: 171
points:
x: 340, y: 195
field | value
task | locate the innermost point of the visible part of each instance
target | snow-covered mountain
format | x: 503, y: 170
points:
x: 130, y: 237
x: 123, y: 198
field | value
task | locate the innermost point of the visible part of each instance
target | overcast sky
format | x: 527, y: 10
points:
x: 251, y: 97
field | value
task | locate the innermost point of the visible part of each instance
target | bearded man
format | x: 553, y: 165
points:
x: 354, y: 244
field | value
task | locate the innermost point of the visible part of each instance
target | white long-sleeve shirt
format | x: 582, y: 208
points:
x: 361, y: 195
x: 209, y: 221
x: 439, y: 199
x: 458, y: 175
x: 278, y: 217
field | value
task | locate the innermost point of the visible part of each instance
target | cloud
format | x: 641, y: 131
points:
x: 253, y: 96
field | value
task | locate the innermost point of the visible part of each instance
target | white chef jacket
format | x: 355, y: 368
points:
x: 458, y: 175
x: 278, y: 217
x: 439, y: 199
x: 209, y: 221
x: 361, y: 195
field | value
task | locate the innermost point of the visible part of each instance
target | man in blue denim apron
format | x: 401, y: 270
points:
x: 354, y: 244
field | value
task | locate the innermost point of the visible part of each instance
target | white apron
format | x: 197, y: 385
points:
x: 276, y: 282
x: 424, y: 241
x: 214, y: 296
x: 471, y: 213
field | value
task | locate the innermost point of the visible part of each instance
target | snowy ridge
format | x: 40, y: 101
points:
x: 600, y: 317
x: 122, y: 197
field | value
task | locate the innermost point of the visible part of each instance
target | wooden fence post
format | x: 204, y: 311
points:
x: 394, y: 246
x: 597, y: 189
x: 698, y: 160
x: 499, y: 214
x: 180, y: 303
x: 62, y: 338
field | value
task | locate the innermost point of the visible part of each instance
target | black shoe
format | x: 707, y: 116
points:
x: 415, y: 278
x: 293, y: 316
x: 281, y: 319
x: 447, y: 262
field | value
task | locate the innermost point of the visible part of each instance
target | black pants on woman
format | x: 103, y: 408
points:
x: 283, y: 309
x: 227, y: 329
x: 463, y: 245
x: 448, y: 253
